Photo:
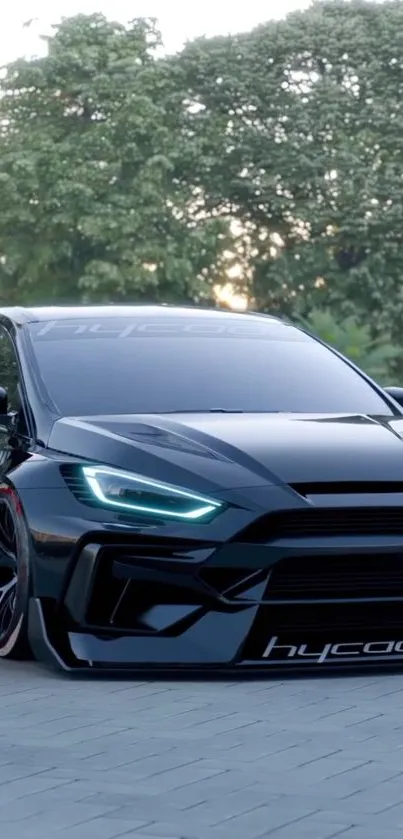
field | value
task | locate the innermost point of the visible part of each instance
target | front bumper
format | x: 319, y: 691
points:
x: 293, y: 605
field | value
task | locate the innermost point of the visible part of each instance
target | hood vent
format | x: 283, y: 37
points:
x: 349, y: 488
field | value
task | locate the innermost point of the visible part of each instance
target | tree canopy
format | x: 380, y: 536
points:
x: 273, y: 157
x: 300, y: 124
x: 93, y: 205
x: 355, y: 341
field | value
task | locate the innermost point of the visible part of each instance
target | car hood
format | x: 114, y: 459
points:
x: 231, y: 451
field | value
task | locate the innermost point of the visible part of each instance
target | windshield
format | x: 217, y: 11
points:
x: 128, y: 366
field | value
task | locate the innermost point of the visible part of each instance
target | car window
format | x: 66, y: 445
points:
x: 10, y: 379
x: 9, y: 370
x: 128, y: 366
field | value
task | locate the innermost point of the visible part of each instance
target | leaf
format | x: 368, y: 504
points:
x: 354, y: 341
x: 90, y: 159
x: 299, y: 127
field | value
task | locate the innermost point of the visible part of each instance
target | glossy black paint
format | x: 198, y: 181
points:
x: 112, y: 590
x: 242, y: 449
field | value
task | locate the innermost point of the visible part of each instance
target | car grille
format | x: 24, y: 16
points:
x: 305, y: 625
x: 337, y: 521
x: 343, y: 576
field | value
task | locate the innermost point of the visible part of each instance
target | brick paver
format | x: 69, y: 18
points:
x: 297, y: 759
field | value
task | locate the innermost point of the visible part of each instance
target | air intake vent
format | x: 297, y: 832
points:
x: 345, y: 622
x: 326, y: 577
x: 338, y: 521
x: 78, y: 485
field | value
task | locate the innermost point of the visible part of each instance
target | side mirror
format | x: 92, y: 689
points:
x: 396, y: 393
x: 6, y: 419
x: 3, y: 401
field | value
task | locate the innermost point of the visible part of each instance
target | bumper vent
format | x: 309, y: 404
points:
x: 334, y: 623
x: 326, y: 577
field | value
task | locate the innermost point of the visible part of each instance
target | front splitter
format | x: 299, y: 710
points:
x: 45, y: 652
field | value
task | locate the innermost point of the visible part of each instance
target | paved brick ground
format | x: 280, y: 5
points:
x: 300, y: 759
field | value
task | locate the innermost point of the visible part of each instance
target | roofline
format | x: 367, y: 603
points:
x: 19, y: 315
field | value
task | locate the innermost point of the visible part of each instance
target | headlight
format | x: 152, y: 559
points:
x: 127, y: 491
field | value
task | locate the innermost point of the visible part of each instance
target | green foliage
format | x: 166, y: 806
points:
x: 299, y: 125
x: 92, y: 201
x: 354, y: 340
x: 125, y: 175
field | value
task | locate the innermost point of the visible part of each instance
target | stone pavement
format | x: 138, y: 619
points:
x: 310, y: 758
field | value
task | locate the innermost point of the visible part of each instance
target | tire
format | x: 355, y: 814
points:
x: 15, y: 578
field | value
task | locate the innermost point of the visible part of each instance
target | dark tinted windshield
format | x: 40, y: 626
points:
x: 145, y: 365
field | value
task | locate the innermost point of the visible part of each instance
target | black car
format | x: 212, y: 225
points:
x: 185, y: 488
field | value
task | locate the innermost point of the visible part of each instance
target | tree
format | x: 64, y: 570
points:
x: 354, y: 340
x: 93, y: 205
x: 299, y: 125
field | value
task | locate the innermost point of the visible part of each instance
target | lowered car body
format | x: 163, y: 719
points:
x: 195, y: 489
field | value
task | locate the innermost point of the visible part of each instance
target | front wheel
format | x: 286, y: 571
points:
x: 14, y: 578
